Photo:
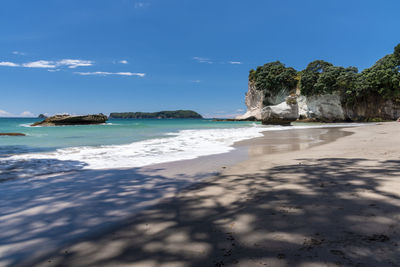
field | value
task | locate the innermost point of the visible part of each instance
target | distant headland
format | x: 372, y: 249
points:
x: 323, y: 92
x: 173, y: 114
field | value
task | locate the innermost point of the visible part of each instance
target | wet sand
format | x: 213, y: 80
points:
x: 317, y: 197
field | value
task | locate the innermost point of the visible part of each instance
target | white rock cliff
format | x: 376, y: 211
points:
x: 283, y: 108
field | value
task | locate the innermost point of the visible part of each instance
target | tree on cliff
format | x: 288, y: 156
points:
x: 383, y: 78
x: 310, y: 75
x: 321, y: 77
x: 397, y: 52
x: 273, y: 77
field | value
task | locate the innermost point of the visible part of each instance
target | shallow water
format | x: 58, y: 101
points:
x: 119, y: 143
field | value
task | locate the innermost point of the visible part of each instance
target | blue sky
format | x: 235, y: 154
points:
x: 96, y: 56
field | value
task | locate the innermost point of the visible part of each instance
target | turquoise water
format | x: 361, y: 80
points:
x: 117, y: 144
x: 114, y: 132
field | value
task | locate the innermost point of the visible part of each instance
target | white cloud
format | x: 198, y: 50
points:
x: 27, y: 114
x: 203, y: 60
x: 209, y: 61
x: 19, y: 53
x: 8, y: 64
x: 240, y: 110
x: 195, y: 81
x: 4, y: 113
x: 103, y: 73
x: 74, y: 63
x: 123, y: 61
x: 40, y: 64
x: 141, y: 5
x: 46, y: 64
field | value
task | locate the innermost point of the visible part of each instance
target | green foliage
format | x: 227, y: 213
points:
x: 336, y: 79
x: 321, y: 77
x: 381, y: 79
x: 177, y: 114
x: 309, y: 77
x: 396, y: 52
x: 317, y: 66
x: 273, y: 77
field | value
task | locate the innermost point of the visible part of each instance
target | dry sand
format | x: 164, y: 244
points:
x: 332, y: 204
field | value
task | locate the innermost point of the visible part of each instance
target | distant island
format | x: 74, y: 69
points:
x: 42, y: 116
x: 173, y: 114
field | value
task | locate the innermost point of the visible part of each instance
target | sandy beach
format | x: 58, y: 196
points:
x: 335, y: 203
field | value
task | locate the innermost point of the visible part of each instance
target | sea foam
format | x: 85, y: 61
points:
x: 183, y: 145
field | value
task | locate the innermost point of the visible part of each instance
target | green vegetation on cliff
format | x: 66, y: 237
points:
x: 273, y: 77
x: 321, y: 77
x: 176, y: 114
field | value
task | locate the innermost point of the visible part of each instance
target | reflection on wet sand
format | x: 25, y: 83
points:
x: 288, y: 141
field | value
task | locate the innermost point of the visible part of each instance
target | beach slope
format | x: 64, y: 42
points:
x: 329, y: 205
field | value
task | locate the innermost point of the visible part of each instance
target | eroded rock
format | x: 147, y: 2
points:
x: 282, y: 114
x: 12, y: 134
x: 59, y: 120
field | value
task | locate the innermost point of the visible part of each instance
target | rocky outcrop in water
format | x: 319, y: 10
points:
x: 12, y: 134
x: 59, y: 120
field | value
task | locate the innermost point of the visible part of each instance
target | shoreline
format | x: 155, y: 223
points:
x: 107, y: 200
x: 171, y: 146
x: 156, y: 182
x: 320, y: 206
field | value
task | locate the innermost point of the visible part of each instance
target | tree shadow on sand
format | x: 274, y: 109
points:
x: 41, y: 213
x: 336, y: 212
x: 16, y: 169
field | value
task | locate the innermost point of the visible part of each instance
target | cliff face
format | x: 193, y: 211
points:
x: 284, y: 108
x: 254, y: 100
x: 325, y: 92
x: 325, y: 107
x: 282, y: 113
x: 373, y: 108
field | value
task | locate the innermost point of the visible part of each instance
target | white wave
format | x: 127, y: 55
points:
x: 37, y: 134
x: 186, y: 144
x: 25, y: 125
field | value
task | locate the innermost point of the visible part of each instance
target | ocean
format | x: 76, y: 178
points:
x: 119, y: 143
